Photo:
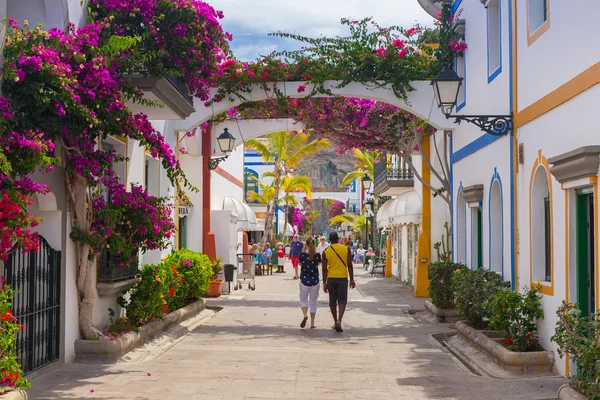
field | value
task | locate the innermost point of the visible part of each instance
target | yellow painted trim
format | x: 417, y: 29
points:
x: 567, y: 237
x: 122, y: 139
x: 424, y: 243
x: 541, y: 162
x: 533, y: 36
x: 388, y: 259
x: 579, y: 84
x: 594, y: 181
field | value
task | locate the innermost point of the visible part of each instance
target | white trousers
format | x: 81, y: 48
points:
x: 309, y: 296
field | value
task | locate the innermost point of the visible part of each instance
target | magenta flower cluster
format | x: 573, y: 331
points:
x: 184, y: 37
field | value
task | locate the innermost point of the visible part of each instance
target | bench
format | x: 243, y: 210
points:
x: 378, y: 262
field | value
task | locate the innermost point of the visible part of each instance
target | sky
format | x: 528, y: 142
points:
x: 250, y: 20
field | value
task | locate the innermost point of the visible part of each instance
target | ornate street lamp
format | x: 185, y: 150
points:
x: 366, y: 181
x: 226, y: 143
x: 446, y: 87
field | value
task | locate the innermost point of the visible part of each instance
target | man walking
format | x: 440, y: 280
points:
x: 295, y: 252
x: 322, y: 245
x: 337, y: 265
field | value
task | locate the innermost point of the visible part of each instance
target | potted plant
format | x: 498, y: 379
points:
x: 215, y: 285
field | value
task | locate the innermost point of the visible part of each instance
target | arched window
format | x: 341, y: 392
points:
x: 461, y: 229
x: 496, y: 228
x: 541, y: 226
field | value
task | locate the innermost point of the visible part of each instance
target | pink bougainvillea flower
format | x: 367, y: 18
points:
x: 402, y: 53
x: 92, y: 390
x: 301, y: 88
x: 381, y: 52
x: 148, y: 374
x: 399, y: 44
x: 306, y: 77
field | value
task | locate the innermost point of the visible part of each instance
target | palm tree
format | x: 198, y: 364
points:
x: 291, y: 184
x: 265, y: 195
x: 357, y: 222
x: 365, y: 166
x: 286, y: 150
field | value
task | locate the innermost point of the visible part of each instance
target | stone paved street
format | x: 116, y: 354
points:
x: 254, y: 348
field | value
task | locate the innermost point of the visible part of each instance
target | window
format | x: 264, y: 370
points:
x: 541, y: 227
x: 151, y: 175
x: 460, y: 67
x: 494, y: 32
x: 538, y: 14
x: 476, y: 238
x: 496, y: 230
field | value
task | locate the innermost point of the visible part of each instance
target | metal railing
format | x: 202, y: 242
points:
x: 396, y: 169
x: 353, y: 206
x: 110, y: 270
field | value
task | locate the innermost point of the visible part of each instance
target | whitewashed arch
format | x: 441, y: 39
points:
x: 47, y: 202
x: 420, y: 101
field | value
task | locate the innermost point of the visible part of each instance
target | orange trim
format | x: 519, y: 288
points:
x: 541, y: 162
x: 229, y: 177
x: 579, y: 84
x: 533, y: 36
x: 206, y: 147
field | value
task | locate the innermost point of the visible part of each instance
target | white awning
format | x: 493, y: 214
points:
x: 406, y: 209
x: 245, y: 216
x: 383, y: 214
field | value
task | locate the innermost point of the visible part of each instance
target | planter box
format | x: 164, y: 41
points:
x: 442, y: 314
x: 14, y: 395
x: 537, y: 361
x: 112, y: 350
x: 567, y: 393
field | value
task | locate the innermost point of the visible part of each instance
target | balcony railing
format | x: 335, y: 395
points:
x: 394, y: 172
x: 110, y: 271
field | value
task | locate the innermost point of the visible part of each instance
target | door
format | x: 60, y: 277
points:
x: 35, y: 279
x: 586, y: 296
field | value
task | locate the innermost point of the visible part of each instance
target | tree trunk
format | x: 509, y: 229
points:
x: 82, y: 219
x: 271, y: 214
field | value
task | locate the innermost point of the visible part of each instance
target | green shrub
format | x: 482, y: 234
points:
x: 472, y: 288
x: 515, y: 314
x: 578, y: 335
x: 11, y: 374
x: 180, y: 279
x: 441, y: 288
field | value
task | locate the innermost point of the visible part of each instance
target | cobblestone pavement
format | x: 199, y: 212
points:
x: 254, y: 348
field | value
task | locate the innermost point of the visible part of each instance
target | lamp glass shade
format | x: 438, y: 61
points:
x: 226, y: 142
x: 446, y: 87
x: 367, y: 182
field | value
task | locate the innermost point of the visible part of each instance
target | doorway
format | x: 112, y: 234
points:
x: 586, y: 292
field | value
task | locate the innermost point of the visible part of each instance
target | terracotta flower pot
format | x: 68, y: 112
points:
x: 214, y: 288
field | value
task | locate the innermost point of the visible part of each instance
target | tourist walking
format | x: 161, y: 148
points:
x: 322, y: 245
x: 337, y: 266
x: 309, y: 282
x: 295, y: 252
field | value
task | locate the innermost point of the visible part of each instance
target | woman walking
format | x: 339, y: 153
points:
x: 309, y: 282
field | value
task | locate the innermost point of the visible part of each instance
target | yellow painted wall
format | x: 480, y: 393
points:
x: 424, y: 246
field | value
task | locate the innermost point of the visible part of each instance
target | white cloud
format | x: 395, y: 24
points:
x: 298, y: 16
x: 250, y: 51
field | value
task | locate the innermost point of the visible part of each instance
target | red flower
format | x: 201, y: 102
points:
x: 165, y: 309
x: 509, y: 341
x: 301, y: 88
x: 8, y: 316
x: 171, y: 292
x: 306, y: 77
x: 399, y: 43
x: 528, y: 335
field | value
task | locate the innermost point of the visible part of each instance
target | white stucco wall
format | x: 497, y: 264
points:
x: 563, y: 129
x: 572, y: 31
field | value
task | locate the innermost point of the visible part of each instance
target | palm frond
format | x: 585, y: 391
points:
x: 262, y: 149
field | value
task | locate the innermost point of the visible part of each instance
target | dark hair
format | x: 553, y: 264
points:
x: 333, y: 237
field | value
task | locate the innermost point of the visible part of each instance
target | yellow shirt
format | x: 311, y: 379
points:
x: 336, y: 268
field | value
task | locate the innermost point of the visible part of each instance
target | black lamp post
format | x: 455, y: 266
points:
x: 226, y: 143
x: 446, y: 87
x: 368, y: 211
